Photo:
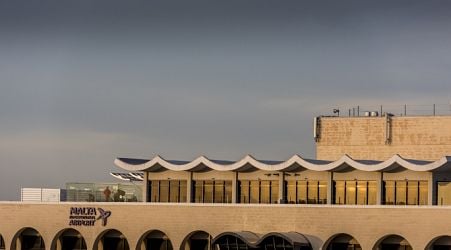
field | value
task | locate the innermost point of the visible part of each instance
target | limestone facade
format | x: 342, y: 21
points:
x: 419, y: 225
x: 379, y: 138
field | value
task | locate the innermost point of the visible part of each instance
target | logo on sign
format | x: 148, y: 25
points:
x: 87, y: 216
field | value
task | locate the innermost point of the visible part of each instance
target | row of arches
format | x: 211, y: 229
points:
x: 112, y: 239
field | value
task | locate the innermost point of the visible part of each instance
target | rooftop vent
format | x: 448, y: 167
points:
x: 371, y: 113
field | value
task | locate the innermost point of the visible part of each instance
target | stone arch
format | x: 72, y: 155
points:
x: 236, y: 240
x: 111, y: 239
x: 392, y: 242
x: 439, y: 243
x: 154, y: 239
x: 28, y: 238
x: 197, y: 240
x: 289, y: 240
x: 68, y: 238
x: 341, y: 241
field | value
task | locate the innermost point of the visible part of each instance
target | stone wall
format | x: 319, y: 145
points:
x: 367, y: 224
x: 379, y: 138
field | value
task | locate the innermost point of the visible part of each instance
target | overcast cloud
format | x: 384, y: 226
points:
x: 83, y: 82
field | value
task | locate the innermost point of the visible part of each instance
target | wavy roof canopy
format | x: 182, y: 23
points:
x: 295, y: 163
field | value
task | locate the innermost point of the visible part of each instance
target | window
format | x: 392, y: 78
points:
x: 174, y: 191
x: 444, y: 193
x: 401, y: 193
x: 183, y: 191
x: 302, y: 192
x: 257, y: 191
x: 265, y: 187
x: 351, y: 194
x: 372, y: 193
x: 154, y: 191
x: 212, y: 191
x: 254, y: 191
x: 405, y: 192
x: 228, y: 192
x: 168, y: 191
x: 312, y: 192
x: 219, y: 192
x: 362, y: 193
x: 423, y: 193
x: 244, y: 192
x: 208, y: 191
x: 291, y: 192
x: 389, y: 192
x: 274, y: 191
x: 412, y: 193
x: 355, y: 192
x: 340, y: 192
x: 164, y: 191
x: 306, y: 192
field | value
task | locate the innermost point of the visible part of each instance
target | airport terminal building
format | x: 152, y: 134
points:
x: 378, y: 182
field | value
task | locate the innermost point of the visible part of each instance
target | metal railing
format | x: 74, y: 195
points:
x: 397, y: 110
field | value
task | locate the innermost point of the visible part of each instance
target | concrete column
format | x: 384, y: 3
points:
x: 235, y: 188
x: 330, y: 187
x: 145, y: 188
x: 380, y: 188
x: 432, y: 190
x: 282, y: 196
x: 189, y: 188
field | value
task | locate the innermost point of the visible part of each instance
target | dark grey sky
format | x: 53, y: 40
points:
x: 83, y: 82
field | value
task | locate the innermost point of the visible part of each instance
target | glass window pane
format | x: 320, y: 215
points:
x: 174, y: 191
x: 208, y: 191
x: 154, y: 192
x: 389, y: 191
x: 443, y: 193
x: 401, y: 191
x: 351, y: 192
x: 339, y: 192
x: 361, y: 192
x: 219, y: 191
x: 424, y: 187
x: 228, y: 192
x: 372, y: 193
x: 274, y: 191
x: 412, y: 193
x: 198, y: 191
x: 164, y: 191
x: 312, y: 195
x: 322, y: 192
x: 302, y: 192
x: 244, y: 191
x: 291, y: 192
x: 183, y: 191
x: 255, y: 191
x: 265, y: 191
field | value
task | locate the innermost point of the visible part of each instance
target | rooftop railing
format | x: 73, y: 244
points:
x: 396, y: 110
